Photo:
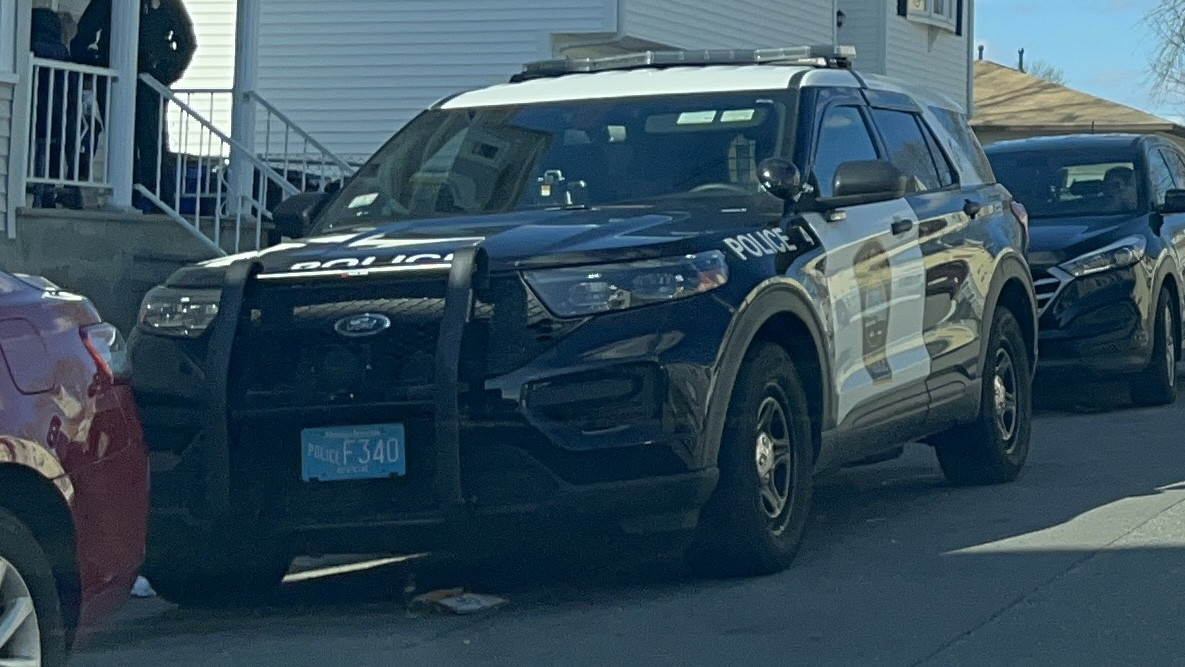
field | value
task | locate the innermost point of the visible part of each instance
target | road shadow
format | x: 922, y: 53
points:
x: 903, y: 504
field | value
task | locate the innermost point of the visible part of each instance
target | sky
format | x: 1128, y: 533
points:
x: 1102, y: 46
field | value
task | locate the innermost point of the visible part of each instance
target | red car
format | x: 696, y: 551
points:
x: 73, y: 472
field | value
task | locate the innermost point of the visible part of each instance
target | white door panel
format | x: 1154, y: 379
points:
x: 876, y: 301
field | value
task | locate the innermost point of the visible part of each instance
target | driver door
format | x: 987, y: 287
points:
x: 874, y: 275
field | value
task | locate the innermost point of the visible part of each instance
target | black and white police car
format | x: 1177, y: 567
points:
x: 658, y: 291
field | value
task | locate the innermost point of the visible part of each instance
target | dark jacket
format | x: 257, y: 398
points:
x: 55, y: 99
x: 167, y: 40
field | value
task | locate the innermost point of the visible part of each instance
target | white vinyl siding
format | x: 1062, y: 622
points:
x: 213, y: 63
x: 7, y: 91
x: 351, y: 73
x: 928, y: 55
x: 739, y: 24
x: 864, y: 28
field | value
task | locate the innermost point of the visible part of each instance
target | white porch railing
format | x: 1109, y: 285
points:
x: 68, y: 149
x: 193, y: 184
x: 288, y: 148
x: 67, y: 144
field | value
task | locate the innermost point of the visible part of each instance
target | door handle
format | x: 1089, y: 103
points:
x: 901, y: 226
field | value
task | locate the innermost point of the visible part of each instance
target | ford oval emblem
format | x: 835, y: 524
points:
x: 364, y: 324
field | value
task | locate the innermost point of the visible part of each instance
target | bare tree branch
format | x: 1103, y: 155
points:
x: 1167, y: 21
x: 1047, y: 72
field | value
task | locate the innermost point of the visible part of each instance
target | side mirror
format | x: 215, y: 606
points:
x: 780, y: 178
x: 294, y: 216
x: 866, y: 181
x: 1174, y: 202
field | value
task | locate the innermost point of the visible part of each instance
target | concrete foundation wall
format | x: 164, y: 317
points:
x: 111, y: 258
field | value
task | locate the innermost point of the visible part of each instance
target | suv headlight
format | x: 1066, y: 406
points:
x: 572, y: 292
x: 185, y: 313
x: 1118, y: 255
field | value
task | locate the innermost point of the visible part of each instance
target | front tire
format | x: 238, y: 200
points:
x: 31, y: 621
x: 993, y: 448
x: 1157, y: 385
x: 756, y: 518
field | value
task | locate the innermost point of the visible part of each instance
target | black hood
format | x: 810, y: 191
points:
x: 1056, y: 240
x: 519, y: 240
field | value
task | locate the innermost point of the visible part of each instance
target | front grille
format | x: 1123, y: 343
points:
x: 288, y: 353
x: 1046, y: 287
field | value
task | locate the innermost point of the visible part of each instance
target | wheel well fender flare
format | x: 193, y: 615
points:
x: 773, y: 299
x: 1011, y: 270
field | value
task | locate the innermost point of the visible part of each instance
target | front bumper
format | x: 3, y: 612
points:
x: 603, y: 426
x: 1099, y: 326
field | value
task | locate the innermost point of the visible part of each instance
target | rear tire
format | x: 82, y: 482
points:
x: 1157, y: 384
x: 993, y: 448
x: 755, y: 520
x: 26, y: 576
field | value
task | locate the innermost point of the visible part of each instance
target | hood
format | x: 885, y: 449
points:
x: 1056, y: 240
x: 513, y: 241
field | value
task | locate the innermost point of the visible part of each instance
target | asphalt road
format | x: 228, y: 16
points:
x: 1080, y: 562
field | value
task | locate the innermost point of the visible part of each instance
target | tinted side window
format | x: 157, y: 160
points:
x: 843, y: 137
x: 946, y: 174
x: 956, y: 125
x: 1162, y: 178
x: 907, y: 147
x: 1176, y: 165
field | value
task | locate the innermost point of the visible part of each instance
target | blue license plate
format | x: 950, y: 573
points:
x: 352, y: 452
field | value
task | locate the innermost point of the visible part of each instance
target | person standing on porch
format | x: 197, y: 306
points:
x: 166, y: 47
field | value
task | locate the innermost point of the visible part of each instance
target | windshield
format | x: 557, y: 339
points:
x: 572, y: 154
x: 1071, y: 182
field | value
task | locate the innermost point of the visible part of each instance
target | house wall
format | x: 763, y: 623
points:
x: 7, y: 95
x: 213, y: 66
x: 929, y: 55
x: 864, y: 27
x: 351, y: 73
x: 739, y: 24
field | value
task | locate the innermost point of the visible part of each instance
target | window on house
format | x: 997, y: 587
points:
x: 944, y: 13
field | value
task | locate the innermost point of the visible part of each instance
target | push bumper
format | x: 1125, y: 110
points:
x: 535, y: 466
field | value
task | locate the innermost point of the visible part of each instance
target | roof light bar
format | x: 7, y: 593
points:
x: 819, y: 55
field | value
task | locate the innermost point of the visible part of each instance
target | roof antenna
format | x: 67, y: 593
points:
x: 1021, y: 65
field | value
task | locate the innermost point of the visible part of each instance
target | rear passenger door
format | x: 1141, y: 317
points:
x: 952, y: 313
x: 872, y: 269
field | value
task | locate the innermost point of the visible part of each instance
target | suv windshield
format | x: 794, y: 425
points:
x: 571, y: 154
x: 1071, y: 182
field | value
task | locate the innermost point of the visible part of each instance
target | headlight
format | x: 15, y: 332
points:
x: 571, y: 292
x: 185, y: 313
x: 1124, y: 252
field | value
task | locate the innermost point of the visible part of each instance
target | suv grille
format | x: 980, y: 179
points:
x: 1046, y: 287
x: 288, y: 353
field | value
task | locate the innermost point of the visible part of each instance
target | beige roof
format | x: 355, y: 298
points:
x: 1007, y: 99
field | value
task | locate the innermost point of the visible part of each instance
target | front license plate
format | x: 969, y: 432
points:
x: 352, y: 452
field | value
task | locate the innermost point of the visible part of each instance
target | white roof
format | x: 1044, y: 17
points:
x: 632, y: 83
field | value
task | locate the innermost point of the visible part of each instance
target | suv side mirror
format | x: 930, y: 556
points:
x: 866, y: 181
x: 780, y: 178
x: 1174, y: 201
x: 294, y: 216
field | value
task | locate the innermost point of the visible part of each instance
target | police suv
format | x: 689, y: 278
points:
x: 657, y: 292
